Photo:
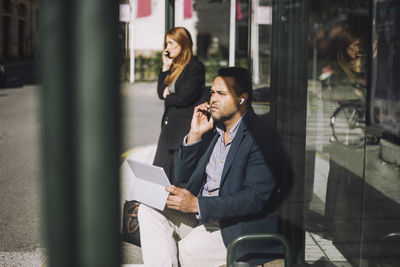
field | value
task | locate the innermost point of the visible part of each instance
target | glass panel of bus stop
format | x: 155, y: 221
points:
x: 381, y: 205
x: 337, y: 89
x: 353, y: 139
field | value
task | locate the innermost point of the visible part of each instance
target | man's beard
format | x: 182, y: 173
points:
x: 220, y: 122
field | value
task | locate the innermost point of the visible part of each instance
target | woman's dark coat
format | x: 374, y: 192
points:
x: 179, y: 106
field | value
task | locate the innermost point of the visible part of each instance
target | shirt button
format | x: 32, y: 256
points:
x: 209, y: 193
x: 221, y: 161
x: 165, y: 122
x: 214, y: 180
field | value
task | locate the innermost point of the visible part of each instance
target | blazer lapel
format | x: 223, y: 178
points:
x: 200, y: 171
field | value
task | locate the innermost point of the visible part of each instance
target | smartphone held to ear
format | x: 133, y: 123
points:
x: 207, y: 113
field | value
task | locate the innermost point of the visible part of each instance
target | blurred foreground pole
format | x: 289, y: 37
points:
x: 81, y: 132
x: 169, y: 14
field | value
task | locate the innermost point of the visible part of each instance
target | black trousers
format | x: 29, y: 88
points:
x: 165, y: 157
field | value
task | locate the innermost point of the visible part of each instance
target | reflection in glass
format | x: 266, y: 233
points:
x: 353, y: 178
x: 260, y: 55
x: 381, y: 207
x: 338, y: 45
x: 347, y: 123
x: 385, y: 87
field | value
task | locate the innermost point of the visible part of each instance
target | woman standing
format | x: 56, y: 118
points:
x: 180, y: 84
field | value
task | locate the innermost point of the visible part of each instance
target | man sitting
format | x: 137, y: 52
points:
x: 230, y: 166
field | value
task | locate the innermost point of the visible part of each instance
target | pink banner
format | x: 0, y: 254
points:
x: 187, y: 9
x: 239, y: 14
x: 143, y: 8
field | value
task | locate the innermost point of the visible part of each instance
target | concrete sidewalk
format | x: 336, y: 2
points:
x: 131, y: 254
x: 34, y: 258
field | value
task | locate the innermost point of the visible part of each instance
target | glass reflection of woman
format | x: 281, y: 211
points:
x: 180, y: 84
x: 352, y: 55
x: 347, y: 67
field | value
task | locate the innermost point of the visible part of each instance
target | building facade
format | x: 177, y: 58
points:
x: 19, y: 29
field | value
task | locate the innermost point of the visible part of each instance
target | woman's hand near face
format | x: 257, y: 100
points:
x: 167, y: 61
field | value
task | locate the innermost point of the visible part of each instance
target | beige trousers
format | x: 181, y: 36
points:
x: 173, y: 238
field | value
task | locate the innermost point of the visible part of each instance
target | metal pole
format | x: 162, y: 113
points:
x: 126, y: 39
x: 57, y: 132
x: 31, y: 34
x: 169, y: 14
x: 80, y: 132
x: 250, y: 21
x: 132, y: 43
x: 232, y: 33
x: 255, y: 44
x: 97, y: 105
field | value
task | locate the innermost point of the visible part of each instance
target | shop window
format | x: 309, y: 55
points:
x: 7, y: 6
x: 21, y: 10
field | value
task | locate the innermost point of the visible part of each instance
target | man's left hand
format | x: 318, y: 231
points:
x: 181, y: 199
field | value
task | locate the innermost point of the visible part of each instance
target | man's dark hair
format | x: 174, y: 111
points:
x: 242, y: 77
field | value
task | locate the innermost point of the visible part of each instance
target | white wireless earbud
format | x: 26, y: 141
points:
x: 241, y: 100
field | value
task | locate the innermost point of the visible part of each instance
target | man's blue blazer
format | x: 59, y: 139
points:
x: 247, y: 199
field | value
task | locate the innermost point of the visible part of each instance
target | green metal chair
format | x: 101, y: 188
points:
x: 230, y: 258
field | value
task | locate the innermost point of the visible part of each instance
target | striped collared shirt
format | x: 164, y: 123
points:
x: 215, y: 165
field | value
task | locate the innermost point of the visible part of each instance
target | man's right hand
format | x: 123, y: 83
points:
x: 200, y: 123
